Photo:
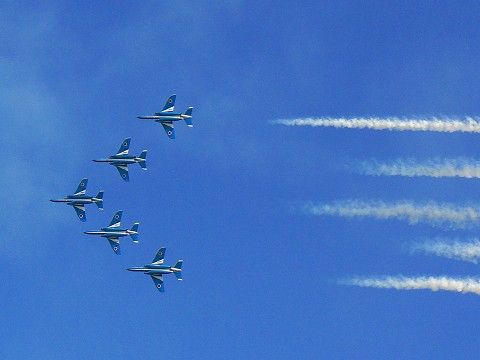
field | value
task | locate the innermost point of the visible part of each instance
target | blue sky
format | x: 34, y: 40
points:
x: 259, y: 277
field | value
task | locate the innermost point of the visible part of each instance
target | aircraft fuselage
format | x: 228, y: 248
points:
x: 77, y: 200
x: 166, y: 116
x: 152, y: 269
x: 113, y: 233
x: 121, y: 160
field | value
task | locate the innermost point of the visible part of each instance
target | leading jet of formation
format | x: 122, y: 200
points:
x: 79, y: 200
x: 122, y: 159
x: 113, y: 232
x: 156, y: 269
x: 167, y: 116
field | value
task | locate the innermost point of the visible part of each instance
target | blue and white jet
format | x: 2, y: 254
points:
x: 114, y: 232
x: 156, y: 269
x: 79, y: 200
x: 122, y: 159
x: 167, y: 116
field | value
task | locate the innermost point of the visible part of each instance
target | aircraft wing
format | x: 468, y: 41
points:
x: 82, y: 187
x: 123, y: 150
x: 168, y: 126
x: 116, y: 220
x: 158, y: 280
x: 123, y: 170
x: 170, y: 104
x: 115, y: 244
x: 158, y: 259
x: 80, y: 210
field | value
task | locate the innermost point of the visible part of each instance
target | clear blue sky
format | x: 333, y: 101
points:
x: 259, y: 278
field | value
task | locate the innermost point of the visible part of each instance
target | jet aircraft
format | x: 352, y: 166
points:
x: 113, y: 232
x: 167, y: 116
x: 156, y: 269
x: 122, y: 159
x: 79, y: 200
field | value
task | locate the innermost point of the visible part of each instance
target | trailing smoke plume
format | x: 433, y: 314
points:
x: 454, y: 249
x: 432, y: 213
x: 468, y: 124
x: 464, y: 285
x: 460, y: 167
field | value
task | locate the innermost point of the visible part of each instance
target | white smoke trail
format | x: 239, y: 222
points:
x: 460, y: 167
x: 469, y: 124
x: 432, y: 213
x: 468, y: 251
x: 464, y: 285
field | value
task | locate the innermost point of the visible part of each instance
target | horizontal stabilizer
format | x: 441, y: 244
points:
x: 188, y: 118
x: 100, y: 197
x: 143, y: 160
x: 134, y: 236
x: 178, y: 265
x: 178, y: 274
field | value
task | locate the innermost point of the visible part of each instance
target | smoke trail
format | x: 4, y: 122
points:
x: 469, y: 124
x: 432, y: 213
x: 460, y: 167
x: 464, y: 285
x: 468, y: 251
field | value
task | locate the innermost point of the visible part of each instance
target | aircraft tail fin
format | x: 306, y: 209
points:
x: 143, y: 161
x: 100, y: 197
x: 134, y: 236
x: 188, y: 119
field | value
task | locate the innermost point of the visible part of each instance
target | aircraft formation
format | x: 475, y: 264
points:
x: 113, y: 232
